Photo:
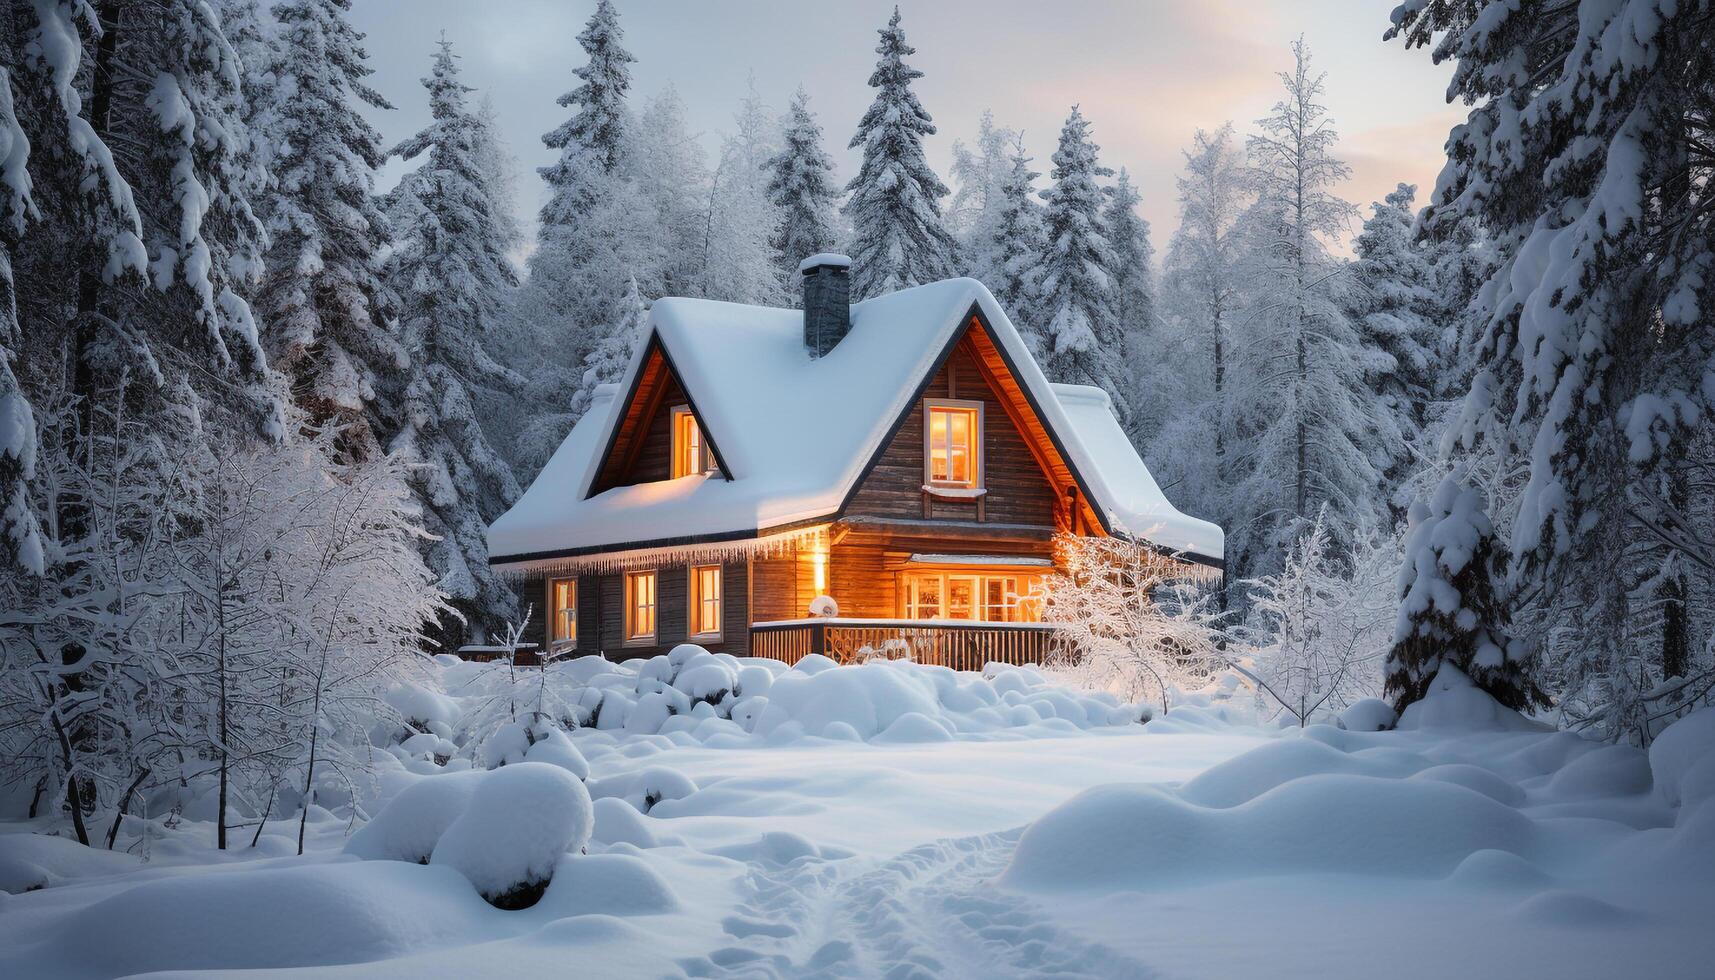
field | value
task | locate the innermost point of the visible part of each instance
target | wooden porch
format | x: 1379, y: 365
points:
x: 961, y: 646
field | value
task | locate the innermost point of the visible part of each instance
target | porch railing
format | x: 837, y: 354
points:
x: 961, y: 646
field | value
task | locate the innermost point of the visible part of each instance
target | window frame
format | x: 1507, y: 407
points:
x: 695, y: 601
x: 1016, y: 600
x: 703, y: 465
x: 633, y: 638
x: 974, y: 410
x: 555, y: 641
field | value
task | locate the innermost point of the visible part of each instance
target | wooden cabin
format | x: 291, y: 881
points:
x: 903, y: 457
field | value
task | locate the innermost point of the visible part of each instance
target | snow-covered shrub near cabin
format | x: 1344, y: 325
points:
x: 411, y: 824
x: 518, y: 823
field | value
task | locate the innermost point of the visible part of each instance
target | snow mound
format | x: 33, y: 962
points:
x: 423, y: 709
x: 1245, y: 777
x: 607, y: 884
x: 1368, y: 715
x: 320, y: 915
x: 510, y: 836
x: 411, y: 824
x: 719, y: 699
x: 618, y: 822
x: 644, y: 788
x: 1682, y: 761
x: 1137, y: 836
x: 32, y: 861
x: 1454, y: 703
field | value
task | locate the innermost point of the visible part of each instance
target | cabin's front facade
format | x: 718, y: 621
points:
x: 903, y: 457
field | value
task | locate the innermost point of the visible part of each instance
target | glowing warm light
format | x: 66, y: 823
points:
x: 819, y: 562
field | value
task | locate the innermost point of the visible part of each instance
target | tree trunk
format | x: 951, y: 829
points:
x: 125, y: 807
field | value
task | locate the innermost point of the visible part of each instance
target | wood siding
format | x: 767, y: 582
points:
x: 866, y: 563
x: 601, y: 611
x: 1018, y: 491
x: 654, y: 459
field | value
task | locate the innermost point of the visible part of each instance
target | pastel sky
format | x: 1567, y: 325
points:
x: 1147, y: 73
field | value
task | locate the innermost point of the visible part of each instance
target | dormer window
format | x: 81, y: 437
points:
x: 952, y: 444
x: 690, y: 449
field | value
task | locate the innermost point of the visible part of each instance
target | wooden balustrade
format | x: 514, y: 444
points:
x: 961, y: 646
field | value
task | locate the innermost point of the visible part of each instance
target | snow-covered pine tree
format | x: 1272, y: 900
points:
x: 323, y: 300
x: 598, y: 125
x: 739, y: 219
x: 1081, y: 335
x: 1203, y: 258
x: 801, y: 187
x: 608, y: 362
x: 898, y: 236
x: 1017, y: 248
x: 1305, y: 415
x: 665, y: 161
x: 597, y: 230
x: 1133, y: 296
x: 1393, y: 302
x: 978, y: 202
x: 450, y: 271
x: 1453, y: 603
x: 20, y: 531
x: 1591, y: 169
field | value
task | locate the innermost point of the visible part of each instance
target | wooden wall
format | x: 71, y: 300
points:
x: 655, y: 457
x: 601, y: 612
x: 1018, y: 491
x: 867, y: 561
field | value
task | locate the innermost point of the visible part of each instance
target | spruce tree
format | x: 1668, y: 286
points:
x: 1585, y: 154
x: 608, y: 362
x: 20, y: 531
x: 1203, y: 259
x: 801, y: 187
x: 898, y: 236
x: 323, y: 300
x: 450, y: 271
x: 1454, y: 603
x: 1018, y: 248
x: 1133, y: 294
x: 1080, y: 332
x: 593, y: 236
x: 977, y: 204
x: 1299, y: 395
x: 1393, y: 304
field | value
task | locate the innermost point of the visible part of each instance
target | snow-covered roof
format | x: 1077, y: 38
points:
x: 795, y: 432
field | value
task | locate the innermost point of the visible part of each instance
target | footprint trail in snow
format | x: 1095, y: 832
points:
x: 926, y: 913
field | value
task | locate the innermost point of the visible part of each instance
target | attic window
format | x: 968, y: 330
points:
x: 690, y: 449
x: 952, y: 444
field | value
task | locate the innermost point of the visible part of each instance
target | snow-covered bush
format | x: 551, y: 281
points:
x: 518, y: 823
x: 1323, y: 623
x: 411, y: 824
x: 1453, y: 602
x: 1130, y: 621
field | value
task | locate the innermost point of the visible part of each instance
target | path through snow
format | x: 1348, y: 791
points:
x: 924, y: 913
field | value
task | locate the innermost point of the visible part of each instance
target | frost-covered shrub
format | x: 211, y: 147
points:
x: 519, y: 822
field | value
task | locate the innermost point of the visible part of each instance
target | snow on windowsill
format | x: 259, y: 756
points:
x: 955, y: 493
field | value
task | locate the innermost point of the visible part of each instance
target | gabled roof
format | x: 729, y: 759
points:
x: 797, y: 433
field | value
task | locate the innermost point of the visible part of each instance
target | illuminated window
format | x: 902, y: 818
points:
x: 1001, y: 598
x: 563, y: 612
x: 951, y: 444
x: 640, y: 606
x: 705, y: 601
x: 690, y: 450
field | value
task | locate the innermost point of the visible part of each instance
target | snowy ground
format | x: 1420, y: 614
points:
x: 1475, y: 845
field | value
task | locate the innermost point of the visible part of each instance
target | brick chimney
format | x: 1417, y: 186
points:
x: 827, y: 301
